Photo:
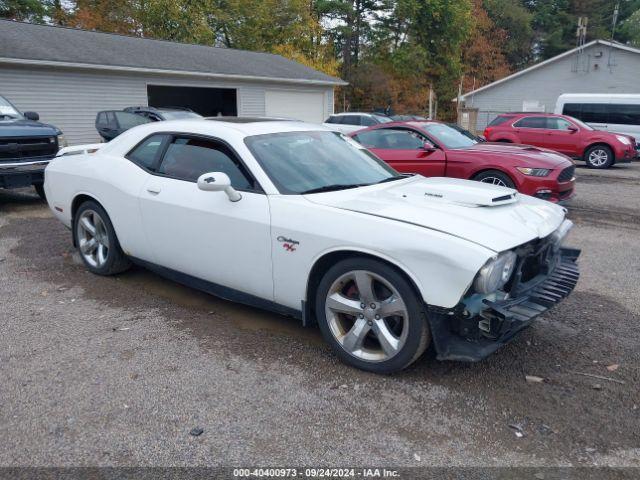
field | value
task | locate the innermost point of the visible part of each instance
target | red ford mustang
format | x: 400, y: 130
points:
x: 434, y: 149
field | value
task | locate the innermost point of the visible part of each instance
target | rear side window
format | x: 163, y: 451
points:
x: 624, y: 114
x: 587, y: 112
x: 146, y: 153
x: 102, y: 118
x: 499, y: 120
x: 128, y: 120
x: 188, y: 158
x: 351, y: 120
x: 531, y: 122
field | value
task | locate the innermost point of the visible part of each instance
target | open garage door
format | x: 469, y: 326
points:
x: 306, y: 106
x: 208, y: 102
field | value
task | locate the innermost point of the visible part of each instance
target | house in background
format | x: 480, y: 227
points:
x: 67, y: 75
x: 598, y: 67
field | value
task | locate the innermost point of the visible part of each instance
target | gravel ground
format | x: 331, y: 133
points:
x: 117, y: 371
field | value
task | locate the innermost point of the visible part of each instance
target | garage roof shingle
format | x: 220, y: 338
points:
x: 25, y: 41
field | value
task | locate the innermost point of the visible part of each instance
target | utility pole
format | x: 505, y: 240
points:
x: 614, y: 22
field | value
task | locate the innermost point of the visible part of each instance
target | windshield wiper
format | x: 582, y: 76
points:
x: 332, y: 188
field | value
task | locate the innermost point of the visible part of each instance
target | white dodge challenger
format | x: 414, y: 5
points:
x: 297, y: 219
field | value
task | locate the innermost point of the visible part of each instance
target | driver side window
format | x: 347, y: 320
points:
x: 558, y: 124
x: 187, y: 158
x: 390, y: 139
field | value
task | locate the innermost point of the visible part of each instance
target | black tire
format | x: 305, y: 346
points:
x: 116, y: 260
x: 599, y: 156
x: 491, y: 176
x: 40, y: 190
x: 418, y: 334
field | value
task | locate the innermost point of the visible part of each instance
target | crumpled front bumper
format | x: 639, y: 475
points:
x: 458, y: 336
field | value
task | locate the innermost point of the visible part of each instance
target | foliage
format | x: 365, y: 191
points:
x: 485, y: 55
x: 392, y: 52
x: 631, y: 29
x: 23, y: 10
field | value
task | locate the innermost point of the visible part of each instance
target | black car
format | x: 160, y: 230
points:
x: 111, y: 123
x: 166, y: 113
x: 26, y: 147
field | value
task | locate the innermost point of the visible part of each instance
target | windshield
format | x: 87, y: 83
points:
x: 313, y: 161
x: 447, y: 136
x: 7, y: 110
x: 580, y: 123
x: 179, y: 115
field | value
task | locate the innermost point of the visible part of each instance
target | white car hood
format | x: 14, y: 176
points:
x: 495, y: 217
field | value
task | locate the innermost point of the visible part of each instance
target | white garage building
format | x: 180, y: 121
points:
x: 68, y: 75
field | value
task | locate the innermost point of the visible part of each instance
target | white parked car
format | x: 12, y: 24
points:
x: 295, y: 218
x: 349, y: 122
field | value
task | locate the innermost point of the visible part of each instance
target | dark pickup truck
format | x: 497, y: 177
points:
x: 26, y: 146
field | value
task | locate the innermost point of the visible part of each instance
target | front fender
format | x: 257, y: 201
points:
x: 440, y: 265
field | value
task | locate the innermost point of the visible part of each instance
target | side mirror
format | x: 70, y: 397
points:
x: 218, y: 182
x: 572, y: 129
x: 32, y: 116
x: 428, y: 147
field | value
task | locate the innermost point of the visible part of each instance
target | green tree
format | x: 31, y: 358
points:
x: 350, y: 24
x: 630, y: 29
x: 23, y: 10
x: 516, y: 21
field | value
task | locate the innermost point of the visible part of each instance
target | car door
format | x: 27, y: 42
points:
x: 204, y: 234
x: 563, y: 136
x: 404, y: 150
x: 532, y: 131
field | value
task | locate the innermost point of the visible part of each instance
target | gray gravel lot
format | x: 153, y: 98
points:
x: 117, y: 371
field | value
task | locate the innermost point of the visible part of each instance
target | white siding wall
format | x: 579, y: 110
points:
x: 70, y: 98
x: 545, y: 84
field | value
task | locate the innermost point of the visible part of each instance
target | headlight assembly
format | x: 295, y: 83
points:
x: 623, y: 140
x: 62, y: 142
x: 534, y: 172
x: 495, y: 273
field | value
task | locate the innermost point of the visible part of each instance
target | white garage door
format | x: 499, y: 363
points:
x: 306, y: 106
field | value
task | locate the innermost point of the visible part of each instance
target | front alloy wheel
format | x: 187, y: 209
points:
x: 599, y: 156
x: 371, y: 316
x: 97, y: 242
x: 367, y: 316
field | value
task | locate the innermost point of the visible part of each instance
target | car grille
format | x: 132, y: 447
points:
x: 567, y: 174
x: 38, y: 148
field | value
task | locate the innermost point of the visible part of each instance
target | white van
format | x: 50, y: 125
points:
x: 614, y: 112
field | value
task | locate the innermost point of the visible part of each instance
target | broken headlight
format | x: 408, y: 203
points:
x: 495, y: 273
x: 560, y: 234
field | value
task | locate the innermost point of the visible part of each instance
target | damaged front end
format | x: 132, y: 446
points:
x: 544, y: 274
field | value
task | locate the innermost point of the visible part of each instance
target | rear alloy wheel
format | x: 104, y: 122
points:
x: 97, y: 242
x: 599, y: 156
x: 371, y: 316
x: 494, y: 177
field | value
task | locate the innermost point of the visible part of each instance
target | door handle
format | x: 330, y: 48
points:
x: 153, y: 189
